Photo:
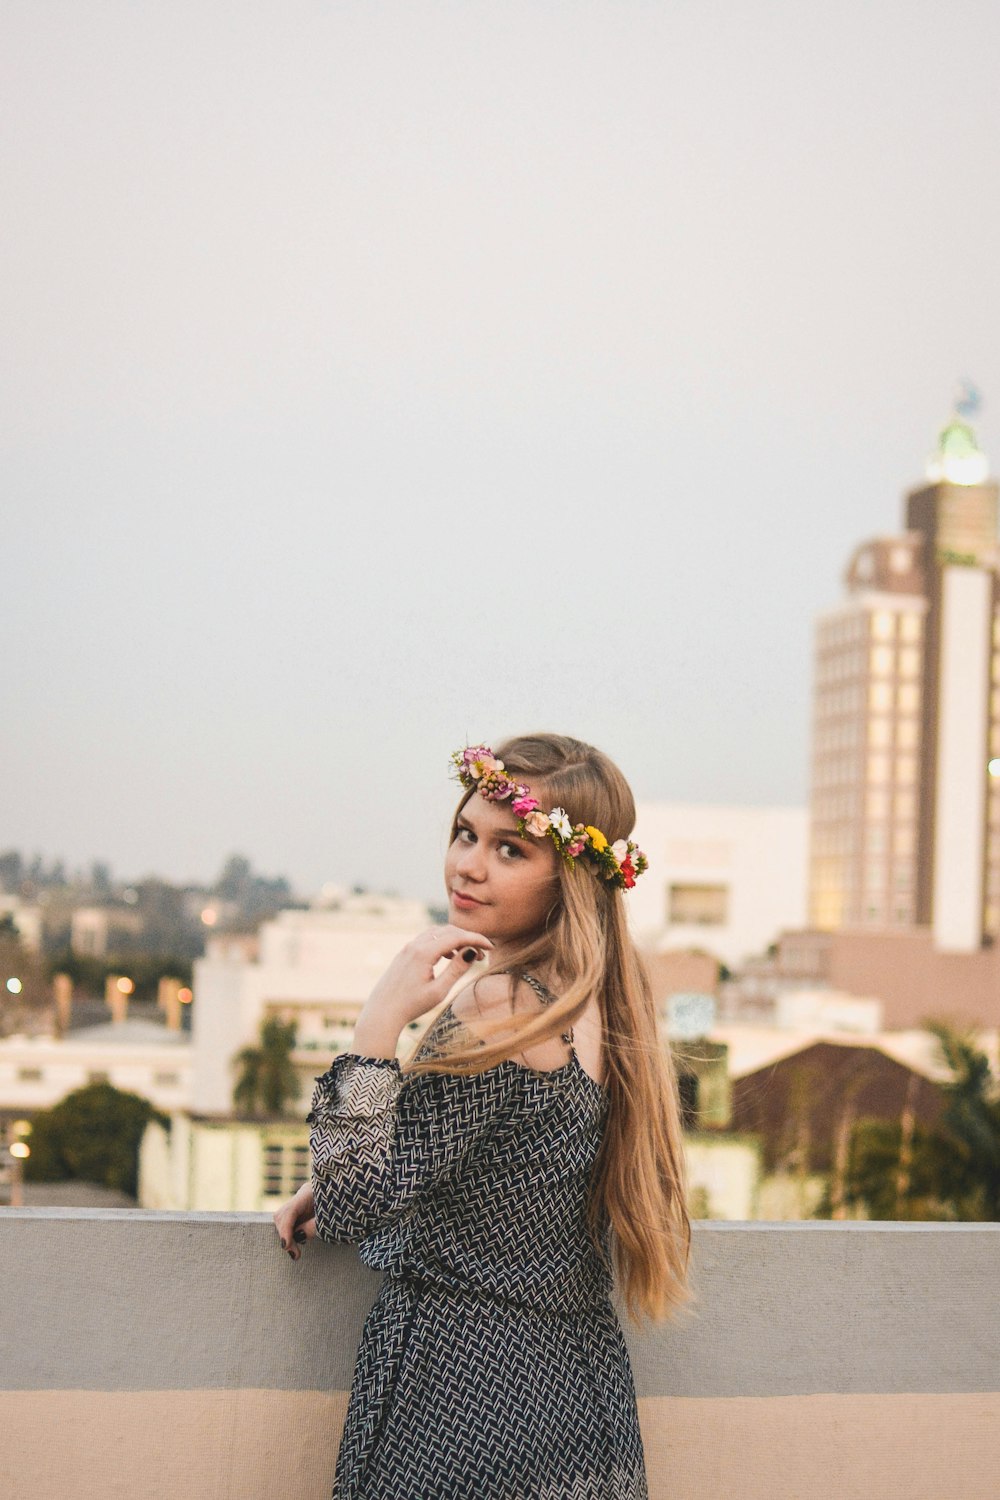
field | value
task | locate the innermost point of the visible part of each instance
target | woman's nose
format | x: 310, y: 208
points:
x: 470, y: 862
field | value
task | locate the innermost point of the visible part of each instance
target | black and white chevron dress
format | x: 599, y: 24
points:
x: 492, y: 1364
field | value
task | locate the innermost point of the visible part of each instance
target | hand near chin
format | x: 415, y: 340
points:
x: 410, y: 987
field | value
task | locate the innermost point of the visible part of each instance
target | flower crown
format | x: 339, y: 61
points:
x: 619, y: 863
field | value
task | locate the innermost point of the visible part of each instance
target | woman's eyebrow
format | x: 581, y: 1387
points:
x: 498, y: 833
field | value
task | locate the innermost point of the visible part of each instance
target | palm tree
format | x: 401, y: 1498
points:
x: 971, y: 1123
x: 268, y: 1080
x: 902, y: 1170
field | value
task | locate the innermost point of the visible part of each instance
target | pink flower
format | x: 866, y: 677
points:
x: 620, y: 850
x: 537, y: 823
x: 523, y: 803
x: 576, y: 847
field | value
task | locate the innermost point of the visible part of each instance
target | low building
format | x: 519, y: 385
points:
x: 315, y: 967
x: 724, y: 879
x: 140, y: 1057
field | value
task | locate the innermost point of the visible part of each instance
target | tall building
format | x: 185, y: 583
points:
x: 905, y: 794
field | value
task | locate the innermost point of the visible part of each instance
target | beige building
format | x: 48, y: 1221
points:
x: 905, y: 797
x: 722, y: 879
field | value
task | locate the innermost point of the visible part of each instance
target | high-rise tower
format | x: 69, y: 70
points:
x: 905, y: 813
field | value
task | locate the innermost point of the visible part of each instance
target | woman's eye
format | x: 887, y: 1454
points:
x: 463, y: 835
x: 513, y: 850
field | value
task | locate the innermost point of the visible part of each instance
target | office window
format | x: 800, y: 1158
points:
x: 96, y: 1075
x: 878, y: 768
x: 879, y: 733
x: 908, y: 697
x: 877, y: 805
x: 883, y: 625
x: 909, y: 662
x: 703, y: 905
x: 30, y: 1075
x: 166, y: 1080
x: 882, y: 661
x: 286, y: 1167
x: 880, y: 696
x: 907, y: 734
x: 906, y: 769
x: 903, y: 841
x: 910, y: 626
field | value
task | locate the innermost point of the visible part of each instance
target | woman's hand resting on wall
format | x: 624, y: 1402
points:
x: 295, y: 1221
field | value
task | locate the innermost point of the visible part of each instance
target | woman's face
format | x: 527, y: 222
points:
x: 499, y: 883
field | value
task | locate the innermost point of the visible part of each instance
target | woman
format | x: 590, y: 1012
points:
x: 528, y: 1153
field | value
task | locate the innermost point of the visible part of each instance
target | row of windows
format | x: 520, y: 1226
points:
x: 880, y: 733
x: 836, y: 807
x: 878, y: 625
x: 846, y: 806
x: 882, y: 661
x: 844, y: 770
x: 850, y: 735
x: 837, y: 703
x: 843, y: 735
x: 831, y: 909
x: 880, y: 768
x: 882, y: 697
x: 97, y: 1075
x: 842, y: 630
x: 890, y: 624
x: 286, y: 1167
x: 832, y: 874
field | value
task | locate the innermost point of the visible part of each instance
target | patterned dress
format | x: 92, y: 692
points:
x: 492, y: 1364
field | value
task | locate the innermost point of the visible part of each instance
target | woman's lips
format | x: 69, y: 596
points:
x: 466, y: 902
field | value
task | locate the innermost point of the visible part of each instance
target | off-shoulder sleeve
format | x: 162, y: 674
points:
x: 380, y: 1140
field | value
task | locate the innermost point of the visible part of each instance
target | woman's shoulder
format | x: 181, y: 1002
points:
x: 484, y: 1003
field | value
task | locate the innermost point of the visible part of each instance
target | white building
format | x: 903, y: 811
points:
x: 139, y: 1057
x: 724, y: 878
x: 27, y: 919
x: 316, y: 967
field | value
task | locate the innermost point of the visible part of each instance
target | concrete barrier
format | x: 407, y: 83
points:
x: 185, y: 1357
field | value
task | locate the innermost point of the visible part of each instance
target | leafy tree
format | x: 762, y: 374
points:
x: 951, y: 1172
x: 93, y: 1134
x: 268, y: 1079
x: 234, y: 879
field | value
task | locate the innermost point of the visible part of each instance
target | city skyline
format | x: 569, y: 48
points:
x: 397, y: 380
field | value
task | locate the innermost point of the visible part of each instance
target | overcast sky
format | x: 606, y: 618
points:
x: 382, y: 377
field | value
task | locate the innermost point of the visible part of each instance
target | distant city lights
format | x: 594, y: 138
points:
x: 185, y: 996
x: 210, y: 916
x: 21, y: 1150
x: 15, y: 986
x: 993, y: 767
x: 124, y: 986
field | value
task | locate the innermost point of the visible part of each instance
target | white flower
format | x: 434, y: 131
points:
x: 619, y: 849
x: 559, y: 818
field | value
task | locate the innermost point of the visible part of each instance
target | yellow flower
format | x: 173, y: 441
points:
x: 597, y: 838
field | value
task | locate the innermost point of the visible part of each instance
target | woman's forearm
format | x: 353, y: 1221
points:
x: 377, y: 1031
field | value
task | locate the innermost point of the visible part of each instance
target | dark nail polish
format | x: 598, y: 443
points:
x: 468, y: 954
x: 300, y: 1236
x: 283, y: 1245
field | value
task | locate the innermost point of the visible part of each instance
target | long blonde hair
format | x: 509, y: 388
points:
x: 639, y: 1178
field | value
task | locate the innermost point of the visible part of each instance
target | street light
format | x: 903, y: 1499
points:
x: 19, y: 1151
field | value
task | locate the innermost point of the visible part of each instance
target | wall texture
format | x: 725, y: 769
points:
x: 185, y: 1357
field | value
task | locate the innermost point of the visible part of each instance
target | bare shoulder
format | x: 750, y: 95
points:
x: 496, y: 995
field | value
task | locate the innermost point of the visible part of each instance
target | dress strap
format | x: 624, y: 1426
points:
x: 546, y: 997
